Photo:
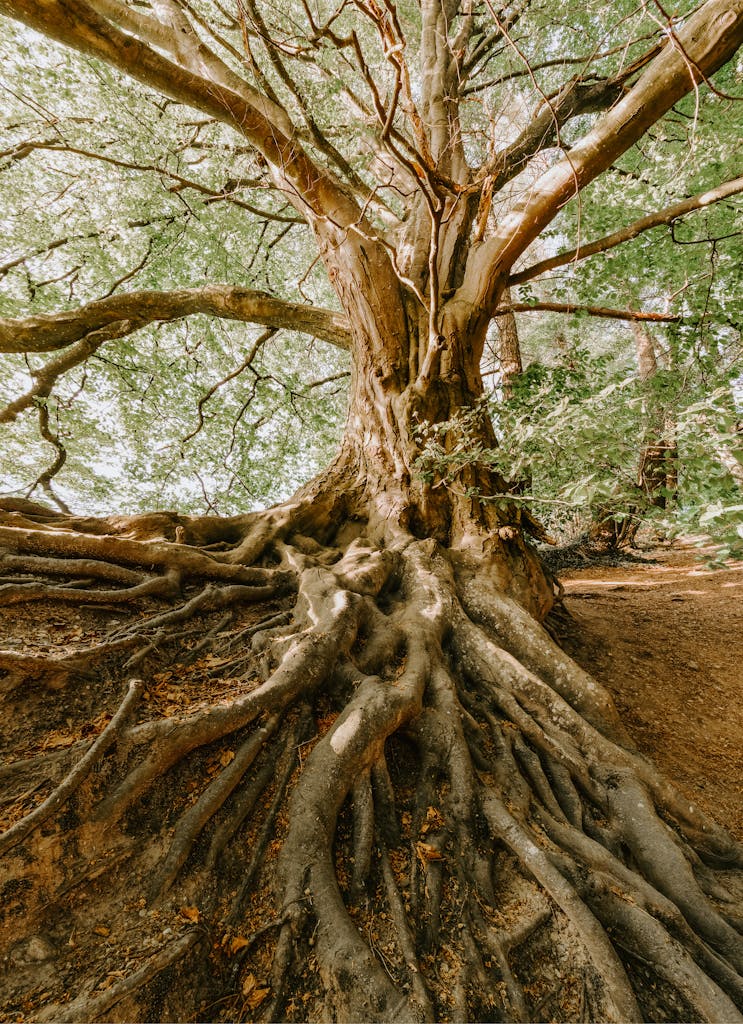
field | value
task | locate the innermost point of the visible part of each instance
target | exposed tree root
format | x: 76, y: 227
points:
x: 383, y: 794
x: 55, y: 672
x: 88, y: 1008
x: 164, y: 586
x: 64, y: 791
x: 192, y: 822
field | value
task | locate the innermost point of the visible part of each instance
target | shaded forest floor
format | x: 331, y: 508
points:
x: 666, y: 638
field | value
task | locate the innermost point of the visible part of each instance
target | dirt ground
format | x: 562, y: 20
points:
x: 666, y: 638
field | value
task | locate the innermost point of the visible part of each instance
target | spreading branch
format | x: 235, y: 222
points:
x: 709, y: 39
x: 47, y: 375
x: 119, y: 315
x: 667, y: 215
x: 601, y: 311
x: 227, y: 98
x: 179, y: 183
x: 575, y: 99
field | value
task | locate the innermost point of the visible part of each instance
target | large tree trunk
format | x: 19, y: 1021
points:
x: 326, y: 764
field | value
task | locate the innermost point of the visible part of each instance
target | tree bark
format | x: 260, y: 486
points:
x: 447, y: 811
x: 657, y: 474
x: 508, y: 349
x: 362, y: 782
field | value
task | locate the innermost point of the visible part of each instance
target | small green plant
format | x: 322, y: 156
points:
x: 571, y: 441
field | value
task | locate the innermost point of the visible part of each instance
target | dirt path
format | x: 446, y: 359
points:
x: 667, y: 640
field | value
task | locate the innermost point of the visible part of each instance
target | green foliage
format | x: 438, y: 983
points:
x: 711, y: 438
x: 126, y: 222
x: 127, y: 431
x: 129, y: 190
x: 570, y: 441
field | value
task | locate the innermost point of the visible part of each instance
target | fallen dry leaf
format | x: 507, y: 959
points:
x: 102, y: 930
x: 254, y: 991
x: 426, y: 852
x: 239, y: 942
x: 190, y: 914
x: 55, y: 739
x: 257, y: 997
x: 434, y: 818
x: 227, y: 756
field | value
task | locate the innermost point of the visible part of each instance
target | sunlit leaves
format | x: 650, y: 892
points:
x: 120, y: 188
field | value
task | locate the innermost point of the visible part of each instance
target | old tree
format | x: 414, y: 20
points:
x: 325, y: 762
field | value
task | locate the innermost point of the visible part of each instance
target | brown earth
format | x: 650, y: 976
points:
x: 666, y: 638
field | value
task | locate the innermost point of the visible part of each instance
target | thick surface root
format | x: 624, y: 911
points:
x: 279, y: 769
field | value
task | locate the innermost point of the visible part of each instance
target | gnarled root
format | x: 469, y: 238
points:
x: 355, y: 781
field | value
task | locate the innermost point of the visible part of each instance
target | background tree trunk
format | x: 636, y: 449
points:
x: 657, y: 474
x: 507, y: 348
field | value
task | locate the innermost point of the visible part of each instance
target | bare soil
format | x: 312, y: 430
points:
x: 666, y: 638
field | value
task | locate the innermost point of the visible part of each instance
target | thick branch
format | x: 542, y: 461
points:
x: 48, y: 332
x: 575, y: 99
x: 78, y: 24
x: 177, y: 37
x: 653, y: 220
x: 705, y: 43
x: 46, y: 377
